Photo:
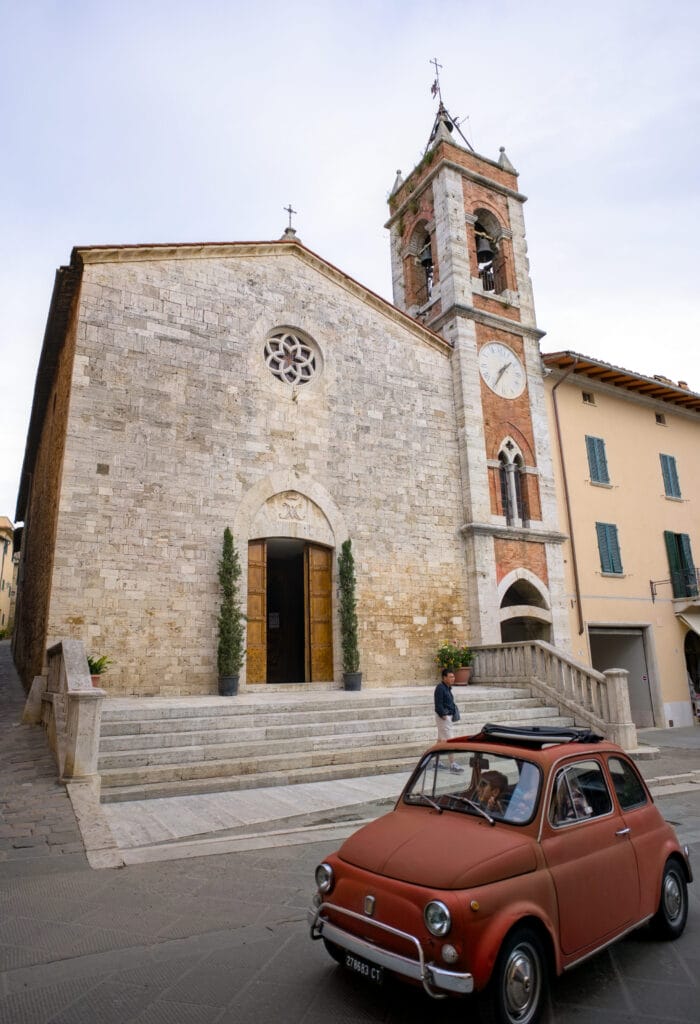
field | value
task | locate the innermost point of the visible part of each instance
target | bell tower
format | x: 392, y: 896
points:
x: 459, y: 265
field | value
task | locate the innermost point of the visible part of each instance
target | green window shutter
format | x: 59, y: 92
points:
x: 690, y: 580
x: 674, y: 562
x: 608, y: 548
x: 597, y: 462
x: 672, y: 487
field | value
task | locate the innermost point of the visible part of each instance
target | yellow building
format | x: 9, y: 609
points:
x: 629, y: 499
x: 7, y: 571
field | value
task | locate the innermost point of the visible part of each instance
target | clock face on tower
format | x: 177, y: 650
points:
x: 501, y: 370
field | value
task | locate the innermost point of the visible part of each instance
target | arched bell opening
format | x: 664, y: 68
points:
x: 420, y: 267
x: 490, y: 255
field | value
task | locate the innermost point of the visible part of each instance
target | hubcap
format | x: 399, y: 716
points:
x: 521, y: 983
x: 673, y: 899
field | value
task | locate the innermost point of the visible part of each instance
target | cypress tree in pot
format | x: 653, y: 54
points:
x: 230, y: 651
x: 352, y: 677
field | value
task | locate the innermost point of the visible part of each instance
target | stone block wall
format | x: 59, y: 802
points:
x: 175, y: 418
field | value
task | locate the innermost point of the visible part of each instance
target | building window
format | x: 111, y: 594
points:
x: 661, y: 419
x: 672, y: 488
x: 597, y: 463
x: 588, y: 397
x: 609, y: 549
x: 510, y: 474
x: 684, y: 575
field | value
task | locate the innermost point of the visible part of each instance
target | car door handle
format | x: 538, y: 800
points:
x: 623, y: 832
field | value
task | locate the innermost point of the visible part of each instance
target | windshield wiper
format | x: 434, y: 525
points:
x: 428, y: 800
x: 472, y: 803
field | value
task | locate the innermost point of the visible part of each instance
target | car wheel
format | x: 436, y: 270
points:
x: 669, y: 920
x: 336, y: 952
x: 515, y: 994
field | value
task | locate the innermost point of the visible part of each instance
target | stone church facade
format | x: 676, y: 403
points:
x: 186, y: 388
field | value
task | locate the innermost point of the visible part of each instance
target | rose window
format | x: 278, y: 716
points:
x: 289, y: 358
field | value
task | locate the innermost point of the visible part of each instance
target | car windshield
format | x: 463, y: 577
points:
x: 499, y: 786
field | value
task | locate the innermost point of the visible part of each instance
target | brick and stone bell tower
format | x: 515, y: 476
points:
x: 459, y: 265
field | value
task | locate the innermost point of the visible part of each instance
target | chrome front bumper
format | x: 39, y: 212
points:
x: 436, y: 980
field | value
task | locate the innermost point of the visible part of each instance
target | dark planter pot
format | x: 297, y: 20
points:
x: 352, y: 680
x: 463, y: 675
x: 228, y: 686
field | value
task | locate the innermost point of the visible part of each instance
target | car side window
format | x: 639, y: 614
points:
x: 580, y: 792
x: 628, y: 786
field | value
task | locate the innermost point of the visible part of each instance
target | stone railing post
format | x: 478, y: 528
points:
x: 77, y: 712
x: 622, y: 729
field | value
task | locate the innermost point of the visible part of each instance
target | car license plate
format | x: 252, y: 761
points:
x: 367, y: 970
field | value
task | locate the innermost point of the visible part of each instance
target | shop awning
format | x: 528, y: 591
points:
x: 691, y: 617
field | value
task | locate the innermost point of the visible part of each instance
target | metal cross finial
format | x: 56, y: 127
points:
x: 290, y: 211
x: 435, y: 88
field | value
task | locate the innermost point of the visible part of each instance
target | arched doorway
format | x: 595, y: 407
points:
x: 290, y: 621
x: 524, y: 614
x: 691, y: 648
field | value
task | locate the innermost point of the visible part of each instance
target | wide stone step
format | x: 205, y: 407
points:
x: 208, y: 731
x: 262, y: 780
x: 160, y: 709
x: 252, y: 767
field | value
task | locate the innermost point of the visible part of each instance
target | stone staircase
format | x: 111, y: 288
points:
x: 155, y: 747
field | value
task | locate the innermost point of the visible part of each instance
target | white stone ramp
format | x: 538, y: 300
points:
x: 141, y: 823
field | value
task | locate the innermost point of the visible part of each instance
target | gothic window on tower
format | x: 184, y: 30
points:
x: 511, y: 473
x: 490, y: 258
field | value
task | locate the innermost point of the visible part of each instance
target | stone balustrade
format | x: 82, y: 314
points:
x: 599, y: 700
x: 65, y: 702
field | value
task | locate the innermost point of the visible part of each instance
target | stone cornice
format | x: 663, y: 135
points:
x: 480, y: 316
x: 217, y: 250
x: 513, y: 533
x: 480, y: 179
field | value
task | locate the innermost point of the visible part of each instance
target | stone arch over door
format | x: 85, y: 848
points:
x: 524, y: 608
x: 292, y: 527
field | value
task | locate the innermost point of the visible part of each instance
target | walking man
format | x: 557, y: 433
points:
x: 444, y: 710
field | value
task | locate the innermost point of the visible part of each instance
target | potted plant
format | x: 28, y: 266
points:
x: 97, y: 665
x: 457, y: 658
x: 230, y: 650
x: 352, y: 677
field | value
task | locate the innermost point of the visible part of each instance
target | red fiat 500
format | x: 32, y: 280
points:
x: 508, y: 854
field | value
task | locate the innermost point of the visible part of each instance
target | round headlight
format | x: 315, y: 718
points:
x: 324, y: 877
x: 437, y: 918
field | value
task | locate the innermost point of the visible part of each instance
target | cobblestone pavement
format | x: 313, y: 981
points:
x: 36, y: 817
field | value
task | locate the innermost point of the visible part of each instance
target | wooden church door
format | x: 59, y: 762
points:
x: 263, y: 651
x: 256, y: 656
x: 319, y: 646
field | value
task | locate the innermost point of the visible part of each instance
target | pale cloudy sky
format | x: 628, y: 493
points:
x: 165, y: 121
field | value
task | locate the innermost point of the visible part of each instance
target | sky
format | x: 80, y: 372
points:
x: 163, y: 121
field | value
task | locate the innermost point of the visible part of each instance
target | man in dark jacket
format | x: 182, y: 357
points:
x: 444, y: 710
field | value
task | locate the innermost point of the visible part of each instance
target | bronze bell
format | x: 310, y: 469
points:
x: 484, y: 252
x: 426, y: 257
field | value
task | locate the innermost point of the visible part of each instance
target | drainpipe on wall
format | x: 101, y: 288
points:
x: 567, y: 503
